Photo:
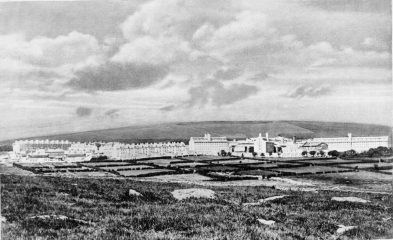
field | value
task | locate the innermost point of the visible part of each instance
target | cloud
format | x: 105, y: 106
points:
x: 161, y: 31
x: 308, y: 91
x: 154, y: 50
x: 228, y: 73
x: 351, y: 5
x: 49, y: 52
x: 325, y: 55
x: 375, y: 44
x: 234, y: 93
x: 215, y: 93
x: 168, y: 108
x: 261, y: 76
x: 83, y: 111
x: 112, y: 113
x: 117, y: 76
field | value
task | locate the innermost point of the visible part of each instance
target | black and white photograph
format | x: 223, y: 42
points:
x: 196, y: 119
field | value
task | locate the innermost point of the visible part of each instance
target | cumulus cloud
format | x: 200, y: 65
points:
x: 371, y: 43
x: 325, y: 55
x: 154, y: 50
x: 161, y: 31
x: 83, y: 111
x: 215, y: 93
x: 50, y: 52
x: 308, y: 91
x: 117, y: 76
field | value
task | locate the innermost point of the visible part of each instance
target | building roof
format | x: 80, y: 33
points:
x: 313, y: 144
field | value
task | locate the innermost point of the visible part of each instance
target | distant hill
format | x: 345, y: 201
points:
x: 231, y: 129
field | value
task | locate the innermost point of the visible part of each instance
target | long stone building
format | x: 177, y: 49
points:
x: 208, y: 145
x: 358, y: 144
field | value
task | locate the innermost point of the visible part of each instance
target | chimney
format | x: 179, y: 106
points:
x: 207, y: 135
x: 350, y: 137
x: 267, y: 136
x: 294, y: 139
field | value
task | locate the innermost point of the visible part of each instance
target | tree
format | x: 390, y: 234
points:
x: 351, y: 153
x: 322, y: 153
x: 333, y: 153
x: 254, y: 154
x: 223, y: 153
x: 304, y: 153
x: 379, y: 151
x: 312, y: 153
x: 229, y: 154
x: 262, y: 154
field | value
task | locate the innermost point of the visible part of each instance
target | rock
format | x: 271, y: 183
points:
x: 251, y: 204
x: 264, y: 200
x: 343, y: 228
x: 181, y: 194
x: 308, y: 189
x: 349, y: 199
x: 133, y: 192
x: 290, y: 181
x: 272, y: 198
x: 60, y: 217
x: 266, y: 222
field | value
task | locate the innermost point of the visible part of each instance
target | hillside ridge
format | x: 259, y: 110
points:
x: 231, y: 129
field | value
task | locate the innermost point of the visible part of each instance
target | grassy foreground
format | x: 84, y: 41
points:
x: 157, y: 215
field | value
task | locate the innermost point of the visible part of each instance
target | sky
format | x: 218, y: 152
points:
x: 70, y: 66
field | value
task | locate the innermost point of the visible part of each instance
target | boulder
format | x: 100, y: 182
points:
x: 266, y: 222
x: 134, y: 193
x: 264, y: 200
x: 181, y: 194
x: 272, y: 198
x: 343, y: 228
x: 349, y: 199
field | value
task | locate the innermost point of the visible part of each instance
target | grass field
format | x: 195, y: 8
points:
x: 189, y: 164
x: 97, y: 174
x: 127, y: 167
x: 143, y: 172
x: 159, y: 162
x: 179, y: 178
x: 309, y: 170
x: 366, y: 165
x: 263, y: 166
x: 112, y: 214
x: 105, y: 164
x: 14, y: 170
x: 240, y: 161
x: 207, y: 158
x: 329, y: 162
x: 386, y: 171
x: 217, y: 169
x: 339, y: 160
x: 259, y: 173
x: 362, y: 180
